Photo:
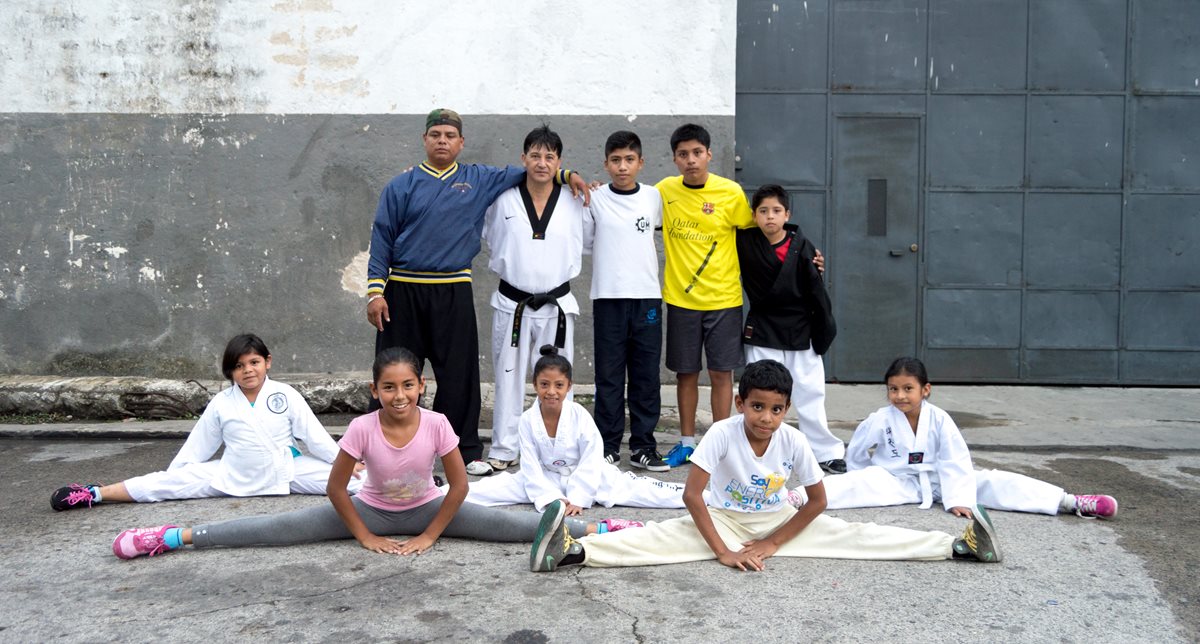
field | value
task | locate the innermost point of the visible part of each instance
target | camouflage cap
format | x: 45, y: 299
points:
x: 443, y: 116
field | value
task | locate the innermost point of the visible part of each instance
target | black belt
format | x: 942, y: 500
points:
x: 535, y: 301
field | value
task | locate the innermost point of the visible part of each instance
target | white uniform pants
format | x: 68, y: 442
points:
x: 677, y: 540
x: 513, y: 366
x: 808, y: 397
x: 994, y: 489
x: 194, y: 481
x: 626, y: 488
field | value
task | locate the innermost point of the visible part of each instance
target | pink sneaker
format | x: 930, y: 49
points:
x: 613, y: 525
x: 1091, y: 506
x: 797, y: 498
x: 141, y: 541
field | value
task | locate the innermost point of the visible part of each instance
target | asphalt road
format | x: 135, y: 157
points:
x: 1065, y: 579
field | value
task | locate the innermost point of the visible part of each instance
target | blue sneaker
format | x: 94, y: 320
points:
x: 679, y: 455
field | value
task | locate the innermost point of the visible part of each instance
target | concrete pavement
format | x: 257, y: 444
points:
x: 1064, y: 579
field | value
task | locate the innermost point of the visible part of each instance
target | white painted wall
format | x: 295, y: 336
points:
x: 662, y: 57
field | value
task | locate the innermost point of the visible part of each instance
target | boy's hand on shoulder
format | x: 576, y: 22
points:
x: 595, y: 185
x: 579, y: 187
x: 382, y: 545
x: 819, y: 261
x: 742, y: 560
x: 960, y: 511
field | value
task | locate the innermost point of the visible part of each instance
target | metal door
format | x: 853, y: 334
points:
x: 874, y: 254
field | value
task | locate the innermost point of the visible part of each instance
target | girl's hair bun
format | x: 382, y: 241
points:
x: 548, y: 350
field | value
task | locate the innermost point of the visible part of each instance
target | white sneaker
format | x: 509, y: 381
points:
x: 500, y: 465
x: 479, y: 468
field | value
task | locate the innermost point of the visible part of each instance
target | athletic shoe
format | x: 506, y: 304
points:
x: 836, y: 466
x: 479, y: 468
x: 1092, y: 506
x: 72, y: 496
x: 141, y: 541
x: 797, y: 498
x: 979, y: 539
x: 679, y: 455
x: 550, y: 540
x: 612, y: 458
x: 648, y: 459
x: 613, y: 525
x: 500, y: 465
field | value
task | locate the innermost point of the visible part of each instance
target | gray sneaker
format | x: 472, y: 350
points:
x: 479, y: 468
x: 553, y: 540
x: 979, y: 539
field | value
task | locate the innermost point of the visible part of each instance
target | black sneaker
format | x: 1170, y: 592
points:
x: 72, y: 497
x: 979, y: 539
x: 648, y: 459
x: 612, y: 458
x: 836, y: 466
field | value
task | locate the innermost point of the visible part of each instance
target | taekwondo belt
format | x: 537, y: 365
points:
x: 535, y: 301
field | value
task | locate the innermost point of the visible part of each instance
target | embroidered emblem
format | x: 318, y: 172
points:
x: 708, y: 208
x: 652, y: 316
x: 641, y: 224
x: 558, y: 462
x: 277, y: 403
x: 460, y: 186
x: 916, y: 457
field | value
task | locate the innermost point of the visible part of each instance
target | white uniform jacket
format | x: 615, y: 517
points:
x: 571, y: 464
x: 258, y: 459
x: 936, y: 454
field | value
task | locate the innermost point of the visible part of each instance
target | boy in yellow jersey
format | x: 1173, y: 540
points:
x: 701, y: 280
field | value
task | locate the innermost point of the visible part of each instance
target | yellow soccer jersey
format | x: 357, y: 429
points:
x: 700, y: 243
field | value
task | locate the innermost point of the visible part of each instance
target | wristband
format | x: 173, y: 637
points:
x: 373, y: 298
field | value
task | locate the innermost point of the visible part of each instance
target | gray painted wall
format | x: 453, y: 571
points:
x: 1057, y: 178
x: 138, y: 244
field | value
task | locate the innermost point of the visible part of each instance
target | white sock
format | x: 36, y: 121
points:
x: 1067, y: 504
x: 687, y: 441
x: 96, y: 496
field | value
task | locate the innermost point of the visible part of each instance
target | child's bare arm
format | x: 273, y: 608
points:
x: 456, y: 475
x: 335, y: 489
x: 693, y: 498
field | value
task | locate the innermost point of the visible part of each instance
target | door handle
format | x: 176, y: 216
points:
x: 900, y: 252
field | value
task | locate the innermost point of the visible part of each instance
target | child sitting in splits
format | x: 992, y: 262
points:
x: 399, y: 443
x: 258, y: 420
x: 921, y: 457
x: 562, y: 456
x: 745, y: 462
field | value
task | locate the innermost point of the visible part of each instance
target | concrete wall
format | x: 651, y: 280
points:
x: 172, y: 175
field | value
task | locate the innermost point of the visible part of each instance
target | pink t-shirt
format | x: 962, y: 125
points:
x: 399, y: 478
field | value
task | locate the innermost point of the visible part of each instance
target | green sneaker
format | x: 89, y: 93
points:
x: 979, y: 539
x: 553, y: 540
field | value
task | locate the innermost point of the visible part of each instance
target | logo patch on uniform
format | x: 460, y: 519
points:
x: 641, y: 224
x: 277, y: 402
x: 460, y: 186
x: 708, y: 208
x: 652, y: 316
x: 916, y: 457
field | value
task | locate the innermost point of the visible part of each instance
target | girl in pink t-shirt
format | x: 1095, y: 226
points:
x: 398, y: 443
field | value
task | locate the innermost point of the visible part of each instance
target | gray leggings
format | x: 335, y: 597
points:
x: 322, y: 523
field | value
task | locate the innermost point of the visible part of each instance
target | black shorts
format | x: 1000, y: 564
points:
x: 718, y: 333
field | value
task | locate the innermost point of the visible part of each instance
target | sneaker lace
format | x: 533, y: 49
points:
x: 568, y: 541
x: 969, y: 538
x: 152, y: 543
x: 1085, y: 507
x: 79, y: 494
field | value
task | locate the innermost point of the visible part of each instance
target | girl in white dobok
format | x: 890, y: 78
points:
x: 258, y: 420
x: 562, y: 456
x: 921, y: 457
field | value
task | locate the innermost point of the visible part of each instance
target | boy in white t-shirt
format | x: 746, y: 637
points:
x: 745, y: 462
x: 626, y: 303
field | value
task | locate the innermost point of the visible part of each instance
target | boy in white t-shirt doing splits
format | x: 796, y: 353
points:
x: 745, y: 462
x: 626, y: 303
